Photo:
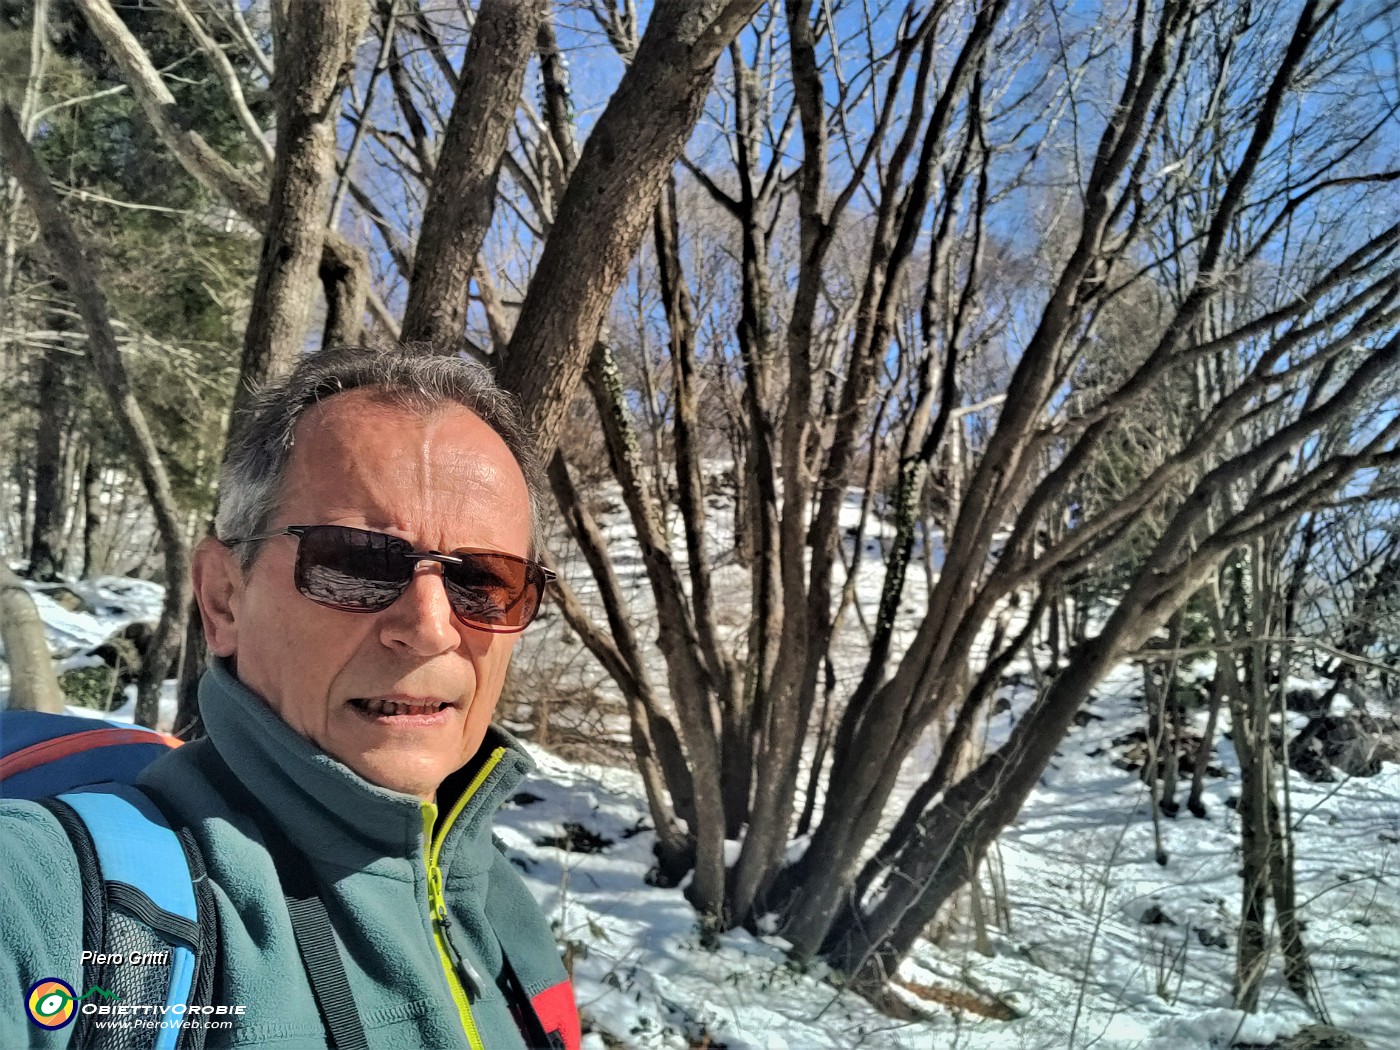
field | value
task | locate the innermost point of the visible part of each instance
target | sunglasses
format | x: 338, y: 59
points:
x: 356, y: 570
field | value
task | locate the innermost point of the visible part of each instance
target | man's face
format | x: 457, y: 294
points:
x: 442, y: 481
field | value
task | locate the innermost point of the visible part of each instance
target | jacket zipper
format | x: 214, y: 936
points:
x: 463, y: 979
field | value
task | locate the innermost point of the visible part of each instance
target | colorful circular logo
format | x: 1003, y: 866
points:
x: 51, y: 1002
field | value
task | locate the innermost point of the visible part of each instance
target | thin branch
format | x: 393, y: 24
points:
x: 1159, y: 655
x: 89, y: 195
x: 347, y: 165
x: 258, y: 55
x: 228, y: 77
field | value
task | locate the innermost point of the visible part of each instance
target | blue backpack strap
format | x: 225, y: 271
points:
x: 144, y: 884
x: 152, y: 903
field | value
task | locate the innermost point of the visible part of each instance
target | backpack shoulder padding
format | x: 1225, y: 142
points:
x: 155, y: 902
x: 145, y: 890
x: 138, y: 851
x: 42, y: 754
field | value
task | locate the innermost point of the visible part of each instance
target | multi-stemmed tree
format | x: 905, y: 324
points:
x: 960, y: 252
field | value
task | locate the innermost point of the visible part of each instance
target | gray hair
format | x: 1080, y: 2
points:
x: 416, y: 376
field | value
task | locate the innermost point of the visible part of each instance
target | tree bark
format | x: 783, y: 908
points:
x: 92, y: 512
x: 1249, y: 733
x: 609, y: 201
x: 248, y: 195
x: 344, y: 277
x: 463, y: 193
x: 315, y: 44
x: 46, y: 533
x: 68, y: 258
x: 33, y: 684
x: 188, y: 723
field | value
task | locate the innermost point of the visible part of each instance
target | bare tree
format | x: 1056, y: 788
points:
x: 68, y: 260
x: 968, y: 387
x: 910, y: 264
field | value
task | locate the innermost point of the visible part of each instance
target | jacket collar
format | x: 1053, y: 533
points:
x: 328, y: 809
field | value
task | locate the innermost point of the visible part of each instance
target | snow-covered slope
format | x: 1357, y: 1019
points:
x: 1104, y: 948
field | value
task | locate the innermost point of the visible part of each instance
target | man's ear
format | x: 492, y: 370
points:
x: 218, y: 584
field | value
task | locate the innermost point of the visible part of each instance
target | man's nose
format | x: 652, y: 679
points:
x: 421, y: 621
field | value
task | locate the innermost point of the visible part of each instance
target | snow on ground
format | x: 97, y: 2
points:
x: 641, y: 974
x: 1151, y: 949
x: 1104, y: 948
x: 1083, y: 959
x: 113, y: 601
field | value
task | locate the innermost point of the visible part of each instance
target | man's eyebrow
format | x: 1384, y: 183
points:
x: 385, y: 525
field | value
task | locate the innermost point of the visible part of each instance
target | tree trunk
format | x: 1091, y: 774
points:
x: 955, y: 746
x: 92, y: 513
x: 1154, y: 691
x: 1171, y: 767
x: 655, y: 744
x: 46, y: 535
x: 1256, y: 846
x: 1159, y: 771
x: 824, y: 733
x: 33, y: 684
x: 68, y: 258
x: 345, y: 282
x: 610, y: 199
x: 958, y: 831
x: 463, y: 193
x: 692, y: 685
x: 1220, y: 687
x: 315, y: 43
x: 188, y: 724
x: 23, y: 479
x: 973, y: 812
x: 1001, y: 471
x: 1297, y: 969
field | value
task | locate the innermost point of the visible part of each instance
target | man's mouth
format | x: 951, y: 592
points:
x: 376, y: 708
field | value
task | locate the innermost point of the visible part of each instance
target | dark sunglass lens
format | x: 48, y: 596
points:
x: 493, y: 591
x: 352, y: 568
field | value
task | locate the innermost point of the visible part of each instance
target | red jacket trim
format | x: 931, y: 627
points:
x: 557, y: 1011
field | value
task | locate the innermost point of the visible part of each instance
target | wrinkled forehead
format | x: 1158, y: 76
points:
x: 405, y: 462
x: 342, y: 421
